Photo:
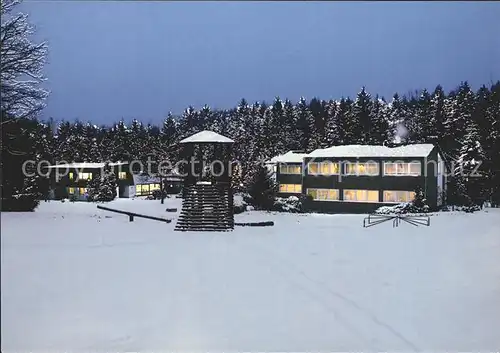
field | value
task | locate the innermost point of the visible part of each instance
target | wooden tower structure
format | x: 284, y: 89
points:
x: 207, y: 195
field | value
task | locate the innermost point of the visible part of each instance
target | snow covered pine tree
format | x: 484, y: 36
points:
x: 469, y: 170
x: 103, y: 187
x: 262, y: 189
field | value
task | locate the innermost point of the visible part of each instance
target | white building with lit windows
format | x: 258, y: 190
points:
x: 361, y: 178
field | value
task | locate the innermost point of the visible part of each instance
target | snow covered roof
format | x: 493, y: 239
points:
x: 145, y: 179
x: 207, y: 136
x: 83, y: 165
x: 289, y: 157
x: 416, y: 150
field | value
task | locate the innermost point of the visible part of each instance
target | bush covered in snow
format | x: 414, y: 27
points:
x: 291, y: 204
x: 418, y: 205
x: 240, y: 205
x: 402, y: 208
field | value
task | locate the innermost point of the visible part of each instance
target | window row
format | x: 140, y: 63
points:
x: 81, y: 176
x: 389, y: 196
x: 146, y: 189
x: 413, y: 169
x: 291, y: 188
x: 77, y: 191
x: 349, y: 195
x: 370, y: 169
x: 365, y: 168
x: 290, y: 169
x: 398, y: 196
x: 89, y: 175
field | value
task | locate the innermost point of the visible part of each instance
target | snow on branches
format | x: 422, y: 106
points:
x: 21, y: 65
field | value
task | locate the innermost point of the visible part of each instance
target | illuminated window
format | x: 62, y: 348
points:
x: 361, y: 195
x: 84, y: 176
x: 142, y: 189
x: 370, y: 169
x: 323, y: 168
x: 397, y: 196
x: 83, y: 191
x: 415, y: 168
x: 146, y: 189
x: 291, y: 188
x: 71, y: 175
x: 71, y: 191
x: 122, y: 175
x: 399, y: 169
x: 324, y: 194
x: 290, y: 169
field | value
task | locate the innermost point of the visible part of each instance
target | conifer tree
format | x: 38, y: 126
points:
x: 332, y: 128
x: 493, y: 117
x: 189, y: 123
x: 458, y: 107
x: 304, y: 120
x: 397, y: 116
x: 276, y: 122
x: 360, y: 119
x: 258, y: 113
x: 289, y: 127
x: 262, y: 189
x: 103, y: 186
x: 469, y: 163
x: 206, y: 119
x: 437, y: 115
x: 120, y: 142
x: 168, y: 137
x: 317, y: 124
x: 421, y: 119
x: 379, y: 122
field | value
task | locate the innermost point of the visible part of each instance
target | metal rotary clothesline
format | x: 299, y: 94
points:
x: 416, y: 220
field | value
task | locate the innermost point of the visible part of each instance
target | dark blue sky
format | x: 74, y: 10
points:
x: 128, y: 59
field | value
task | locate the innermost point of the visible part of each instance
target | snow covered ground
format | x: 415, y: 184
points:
x: 76, y: 280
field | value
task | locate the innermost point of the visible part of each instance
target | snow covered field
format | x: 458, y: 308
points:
x: 73, y: 279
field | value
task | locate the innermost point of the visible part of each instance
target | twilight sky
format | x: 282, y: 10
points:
x: 134, y: 59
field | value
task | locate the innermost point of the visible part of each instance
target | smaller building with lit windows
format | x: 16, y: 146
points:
x: 71, y: 180
x: 288, y: 169
x: 361, y: 178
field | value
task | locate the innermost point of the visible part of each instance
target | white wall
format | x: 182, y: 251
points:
x: 441, y: 186
x: 129, y: 191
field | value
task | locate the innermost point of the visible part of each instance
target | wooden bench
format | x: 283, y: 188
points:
x: 131, y: 215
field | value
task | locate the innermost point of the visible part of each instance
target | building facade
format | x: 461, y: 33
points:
x: 359, y: 179
x: 72, y: 180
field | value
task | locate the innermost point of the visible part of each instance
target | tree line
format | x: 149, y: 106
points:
x: 464, y: 123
